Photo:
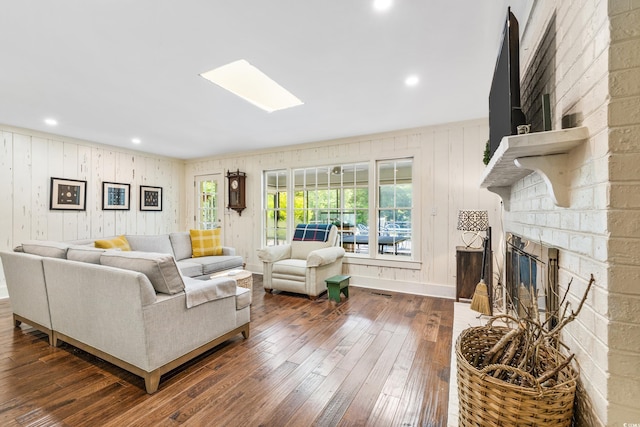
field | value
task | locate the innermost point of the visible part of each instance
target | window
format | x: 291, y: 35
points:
x: 275, y: 207
x: 343, y: 195
x: 336, y: 195
x: 207, y: 196
x: 395, y: 201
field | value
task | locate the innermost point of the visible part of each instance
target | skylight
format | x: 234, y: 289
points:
x: 249, y: 83
x: 412, y: 80
x: 382, y: 5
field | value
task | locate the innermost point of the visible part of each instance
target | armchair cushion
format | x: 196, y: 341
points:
x: 291, y: 267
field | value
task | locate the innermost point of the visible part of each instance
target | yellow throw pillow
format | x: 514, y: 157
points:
x: 205, y: 242
x: 115, y: 243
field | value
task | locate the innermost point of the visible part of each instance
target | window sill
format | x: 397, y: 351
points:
x: 408, y: 264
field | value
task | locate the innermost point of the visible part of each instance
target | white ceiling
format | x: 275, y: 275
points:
x: 112, y: 70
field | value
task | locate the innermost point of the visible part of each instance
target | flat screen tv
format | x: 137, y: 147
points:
x: 505, y: 112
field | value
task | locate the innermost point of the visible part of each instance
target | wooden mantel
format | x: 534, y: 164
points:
x: 541, y: 152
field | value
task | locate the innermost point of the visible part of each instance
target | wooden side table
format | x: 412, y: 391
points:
x: 469, y: 271
x: 244, y: 278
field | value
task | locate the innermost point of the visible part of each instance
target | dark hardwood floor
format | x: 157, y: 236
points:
x: 376, y: 359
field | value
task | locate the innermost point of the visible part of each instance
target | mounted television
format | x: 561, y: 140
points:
x: 505, y: 112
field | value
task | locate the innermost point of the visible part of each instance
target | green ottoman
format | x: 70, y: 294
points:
x: 337, y: 284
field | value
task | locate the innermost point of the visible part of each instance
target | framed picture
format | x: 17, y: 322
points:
x: 150, y: 198
x: 115, y: 196
x: 68, y: 194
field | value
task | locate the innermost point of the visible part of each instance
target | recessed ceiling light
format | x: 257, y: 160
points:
x: 51, y: 122
x: 412, y: 80
x: 252, y: 85
x: 382, y: 5
x: 136, y: 140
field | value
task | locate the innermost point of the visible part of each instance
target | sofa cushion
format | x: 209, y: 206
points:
x: 181, y: 243
x: 213, y: 264
x: 119, y: 242
x: 189, y: 268
x: 45, y: 248
x: 205, y: 242
x: 160, y: 269
x: 84, y: 253
x: 150, y: 243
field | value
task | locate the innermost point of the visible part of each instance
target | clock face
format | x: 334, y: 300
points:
x: 234, y: 184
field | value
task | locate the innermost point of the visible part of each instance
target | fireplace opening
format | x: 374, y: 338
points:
x: 531, y: 271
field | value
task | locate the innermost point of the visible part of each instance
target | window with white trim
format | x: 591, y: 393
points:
x: 343, y: 195
x: 275, y: 207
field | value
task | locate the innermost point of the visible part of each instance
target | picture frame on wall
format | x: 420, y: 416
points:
x: 115, y: 196
x: 68, y: 194
x: 150, y: 198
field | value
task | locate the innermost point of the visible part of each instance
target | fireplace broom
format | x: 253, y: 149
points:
x: 480, y: 301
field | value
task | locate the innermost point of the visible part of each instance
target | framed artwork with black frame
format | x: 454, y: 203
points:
x: 115, y: 196
x: 150, y: 198
x: 68, y: 194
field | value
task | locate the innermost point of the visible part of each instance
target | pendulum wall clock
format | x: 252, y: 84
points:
x: 237, y: 191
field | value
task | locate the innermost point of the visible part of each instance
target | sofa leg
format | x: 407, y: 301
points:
x: 246, y: 331
x: 269, y: 291
x: 313, y: 297
x: 152, y: 381
x: 53, y: 339
x: 16, y: 322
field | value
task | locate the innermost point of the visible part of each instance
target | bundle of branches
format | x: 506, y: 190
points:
x: 528, y: 353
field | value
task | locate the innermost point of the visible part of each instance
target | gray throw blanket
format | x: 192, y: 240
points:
x: 201, y: 291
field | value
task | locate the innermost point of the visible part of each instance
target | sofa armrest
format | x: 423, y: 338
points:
x: 324, y: 256
x: 227, y: 250
x: 274, y: 253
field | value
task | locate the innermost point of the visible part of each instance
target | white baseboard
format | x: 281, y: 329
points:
x: 415, y: 288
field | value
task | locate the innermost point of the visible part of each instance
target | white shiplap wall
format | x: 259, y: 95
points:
x: 29, y: 159
x: 448, y: 165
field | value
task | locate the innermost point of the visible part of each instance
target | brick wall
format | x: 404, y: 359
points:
x: 624, y: 204
x: 586, y: 55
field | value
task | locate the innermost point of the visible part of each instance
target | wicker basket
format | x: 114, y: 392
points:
x: 487, y: 401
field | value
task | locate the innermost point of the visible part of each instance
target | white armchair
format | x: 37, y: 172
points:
x: 303, y: 265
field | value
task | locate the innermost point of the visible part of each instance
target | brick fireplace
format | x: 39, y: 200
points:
x: 586, y: 203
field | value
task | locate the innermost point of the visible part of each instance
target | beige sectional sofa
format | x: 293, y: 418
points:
x: 137, y: 310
